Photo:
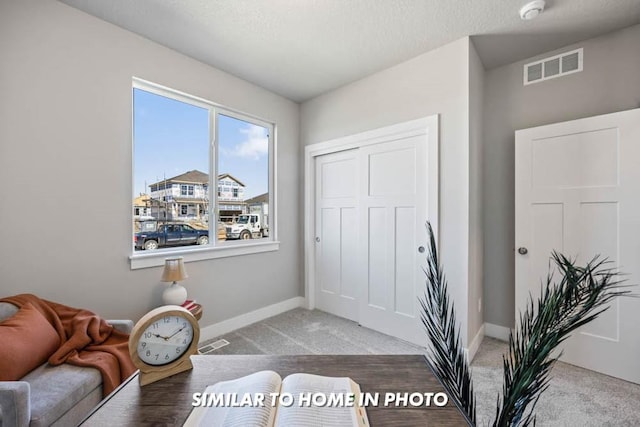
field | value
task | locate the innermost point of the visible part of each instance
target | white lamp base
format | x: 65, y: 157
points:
x: 174, y: 295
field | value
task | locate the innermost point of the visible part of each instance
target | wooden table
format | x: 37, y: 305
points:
x: 168, y: 402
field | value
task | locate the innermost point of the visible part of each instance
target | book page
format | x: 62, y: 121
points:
x: 232, y: 413
x: 308, y: 414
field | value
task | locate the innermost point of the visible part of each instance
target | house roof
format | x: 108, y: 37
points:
x: 262, y: 198
x: 191, y: 177
x: 141, y: 200
x: 228, y: 175
x: 196, y: 177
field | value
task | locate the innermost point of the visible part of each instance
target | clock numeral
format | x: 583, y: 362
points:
x: 167, y: 320
x: 184, y: 341
x: 143, y: 344
x: 148, y: 334
x: 148, y: 352
x: 178, y: 350
x: 166, y: 357
x: 156, y: 325
x: 157, y: 355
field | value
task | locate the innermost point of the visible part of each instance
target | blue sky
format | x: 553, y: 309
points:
x: 172, y: 137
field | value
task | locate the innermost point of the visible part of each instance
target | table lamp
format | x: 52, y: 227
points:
x: 174, y: 271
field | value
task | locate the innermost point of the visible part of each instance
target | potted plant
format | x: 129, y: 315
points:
x: 579, y: 296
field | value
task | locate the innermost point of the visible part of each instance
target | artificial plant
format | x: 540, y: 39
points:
x: 580, y: 295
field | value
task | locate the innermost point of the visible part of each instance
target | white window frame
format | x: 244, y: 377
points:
x: 189, y: 190
x: 215, y: 249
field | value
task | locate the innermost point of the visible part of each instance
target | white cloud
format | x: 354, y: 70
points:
x: 254, y: 146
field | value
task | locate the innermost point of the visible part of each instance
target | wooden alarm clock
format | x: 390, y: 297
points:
x: 162, y: 342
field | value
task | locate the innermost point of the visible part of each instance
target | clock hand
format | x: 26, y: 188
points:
x: 176, y: 332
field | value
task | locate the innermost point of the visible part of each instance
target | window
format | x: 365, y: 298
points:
x: 171, y: 144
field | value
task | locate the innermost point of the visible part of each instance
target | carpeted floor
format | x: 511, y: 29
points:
x: 576, y: 396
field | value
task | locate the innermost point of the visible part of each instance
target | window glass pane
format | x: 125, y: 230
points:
x: 243, y: 178
x: 170, y: 171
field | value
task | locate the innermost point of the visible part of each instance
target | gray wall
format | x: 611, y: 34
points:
x: 610, y: 82
x: 436, y: 82
x: 476, y: 96
x: 65, y: 168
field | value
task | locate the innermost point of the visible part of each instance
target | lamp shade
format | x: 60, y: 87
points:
x: 174, y: 270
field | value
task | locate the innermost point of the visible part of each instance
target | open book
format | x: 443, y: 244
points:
x: 265, y: 399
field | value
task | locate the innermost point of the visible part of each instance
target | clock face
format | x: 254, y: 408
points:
x: 165, y: 340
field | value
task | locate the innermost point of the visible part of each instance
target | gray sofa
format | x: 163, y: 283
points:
x: 51, y: 395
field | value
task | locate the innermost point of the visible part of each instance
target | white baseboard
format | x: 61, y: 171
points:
x: 496, y: 331
x: 226, y: 326
x: 475, y: 343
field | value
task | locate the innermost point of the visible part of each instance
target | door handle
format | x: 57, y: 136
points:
x: 523, y: 251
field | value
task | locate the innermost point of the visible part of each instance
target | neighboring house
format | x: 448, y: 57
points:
x: 142, y: 206
x: 186, y: 196
x: 230, y: 197
x: 258, y: 204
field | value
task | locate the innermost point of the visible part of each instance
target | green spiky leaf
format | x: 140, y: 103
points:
x: 581, y: 295
x: 445, y: 351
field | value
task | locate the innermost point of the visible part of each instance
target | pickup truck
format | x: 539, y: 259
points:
x: 170, y: 235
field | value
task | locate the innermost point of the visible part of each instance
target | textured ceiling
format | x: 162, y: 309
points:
x: 302, y: 48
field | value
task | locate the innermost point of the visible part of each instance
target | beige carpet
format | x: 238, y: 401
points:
x: 576, y: 397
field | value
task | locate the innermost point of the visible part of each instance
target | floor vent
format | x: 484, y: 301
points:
x: 205, y: 349
x: 552, y: 67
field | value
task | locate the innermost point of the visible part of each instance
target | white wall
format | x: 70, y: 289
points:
x: 436, y: 82
x: 65, y: 168
x: 610, y: 82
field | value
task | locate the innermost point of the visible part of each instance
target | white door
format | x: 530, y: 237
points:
x: 578, y: 192
x: 393, y: 212
x: 370, y: 214
x: 337, y: 233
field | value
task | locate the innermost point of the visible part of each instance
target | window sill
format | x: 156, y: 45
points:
x: 145, y: 259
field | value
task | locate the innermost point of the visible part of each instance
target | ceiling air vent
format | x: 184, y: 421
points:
x: 552, y: 67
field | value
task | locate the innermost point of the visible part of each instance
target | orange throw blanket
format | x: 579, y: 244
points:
x: 85, y: 340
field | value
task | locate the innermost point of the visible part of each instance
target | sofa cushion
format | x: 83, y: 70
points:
x: 57, y: 389
x: 28, y: 340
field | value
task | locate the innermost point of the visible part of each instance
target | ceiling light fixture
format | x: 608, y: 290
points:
x: 532, y: 9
